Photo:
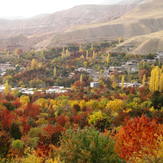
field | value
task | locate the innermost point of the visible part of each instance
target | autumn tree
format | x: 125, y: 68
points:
x: 7, y: 88
x: 156, y: 81
x: 55, y: 72
x: 108, y: 58
x: 144, y: 79
x: 122, y: 82
x: 81, y: 78
x: 135, y: 135
x: 87, y: 54
x: 33, y: 64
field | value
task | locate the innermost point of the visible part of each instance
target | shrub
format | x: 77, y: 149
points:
x: 15, y: 131
x: 87, y: 145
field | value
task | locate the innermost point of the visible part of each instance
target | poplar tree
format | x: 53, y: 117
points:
x: 81, y: 78
x: 94, y: 55
x: 122, y: 81
x: 108, y: 58
x: 144, y: 79
x: 55, y: 71
x: 156, y: 80
x: 161, y: 83
x: 100, y: 76
x: 91, y: 47
x: 33, y: 64
x: 7, y: 88
x: 87, y: 54
x: 66, y: 52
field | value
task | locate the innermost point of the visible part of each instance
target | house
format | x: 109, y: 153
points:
x: 134, y: 84
x: 94, y: 84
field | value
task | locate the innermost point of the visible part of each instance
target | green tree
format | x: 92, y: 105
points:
x: 15, y: 131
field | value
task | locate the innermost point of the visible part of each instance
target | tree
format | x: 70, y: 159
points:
x: 100, y: 76
x: 87, y: 145
x: 42, y: 54
x: 85, y: 63
x: 66, y: 52
x: 135, y: 135
x: 122, y: 82
x: 7, y: 88
x: 87, y: 54
x: 15, y: 131
x: 54, y: 72
x: 81, y: 78
x: 108, y: 58
x: 156, y: 81
x: 91, y: 47
x: 144, y: 79
x: 33, y: 64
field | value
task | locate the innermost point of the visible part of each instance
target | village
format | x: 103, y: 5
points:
x: 130, y: 66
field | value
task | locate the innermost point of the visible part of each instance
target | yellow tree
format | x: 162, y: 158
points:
x: 122, y: 82
x: 108, y: 58
x: 80, y: 49
x: 55, y: 72
x: 5, y: 50
x: 42, y: 54
x: 8, y: 52
x: 120, y: 39
x: 87, y: 54
x: 81, y: 78
x: 94, y: 55
x: 33, y: 64
x: 161, y: 83
x: 154, y: 79
x: 144, y: 79
x: 63, y: 55
x: 100, y: 76
x: 91, y: 47
x: 7, y: 88
x: 85, y: 63
x: 66, y: 52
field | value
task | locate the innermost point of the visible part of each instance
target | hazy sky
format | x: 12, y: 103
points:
x: 29, y: 8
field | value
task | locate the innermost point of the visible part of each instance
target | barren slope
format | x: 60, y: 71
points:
x: 143, y: 44
x: 39, y: 30
x: 144, y: 19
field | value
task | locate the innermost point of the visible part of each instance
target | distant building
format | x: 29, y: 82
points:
x: 94, y: 84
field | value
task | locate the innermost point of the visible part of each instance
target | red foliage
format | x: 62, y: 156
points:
x: 77, y: 83
x: 32, y: 110
x: 7, y: 119
x: 16, y: 103
x: 78, y: 119
x: 135, y: 135
x: 142, y: 72
x: 26, y: 129
x: 50, y: 129
x: 61, y: 120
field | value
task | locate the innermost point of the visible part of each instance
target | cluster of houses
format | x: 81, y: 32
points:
x: 4, y: 67
x: 54, y: 89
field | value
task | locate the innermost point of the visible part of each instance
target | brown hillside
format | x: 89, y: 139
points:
x: 144, y: 19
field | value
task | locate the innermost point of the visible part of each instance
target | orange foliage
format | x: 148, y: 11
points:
x: 135, y: 135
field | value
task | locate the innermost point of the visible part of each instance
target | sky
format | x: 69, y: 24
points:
x: 29, y: 8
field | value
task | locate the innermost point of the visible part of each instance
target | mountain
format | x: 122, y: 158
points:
x: 48, y: 25
x: 123, y: 2
x: 145, y: 19
x: 138, y: 23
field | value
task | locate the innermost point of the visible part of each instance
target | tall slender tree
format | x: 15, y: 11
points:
x: 122, y: 81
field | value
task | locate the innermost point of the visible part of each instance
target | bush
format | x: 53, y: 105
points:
x: 15, y: 131
x: 87, y: 145
x: 4, y: 146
